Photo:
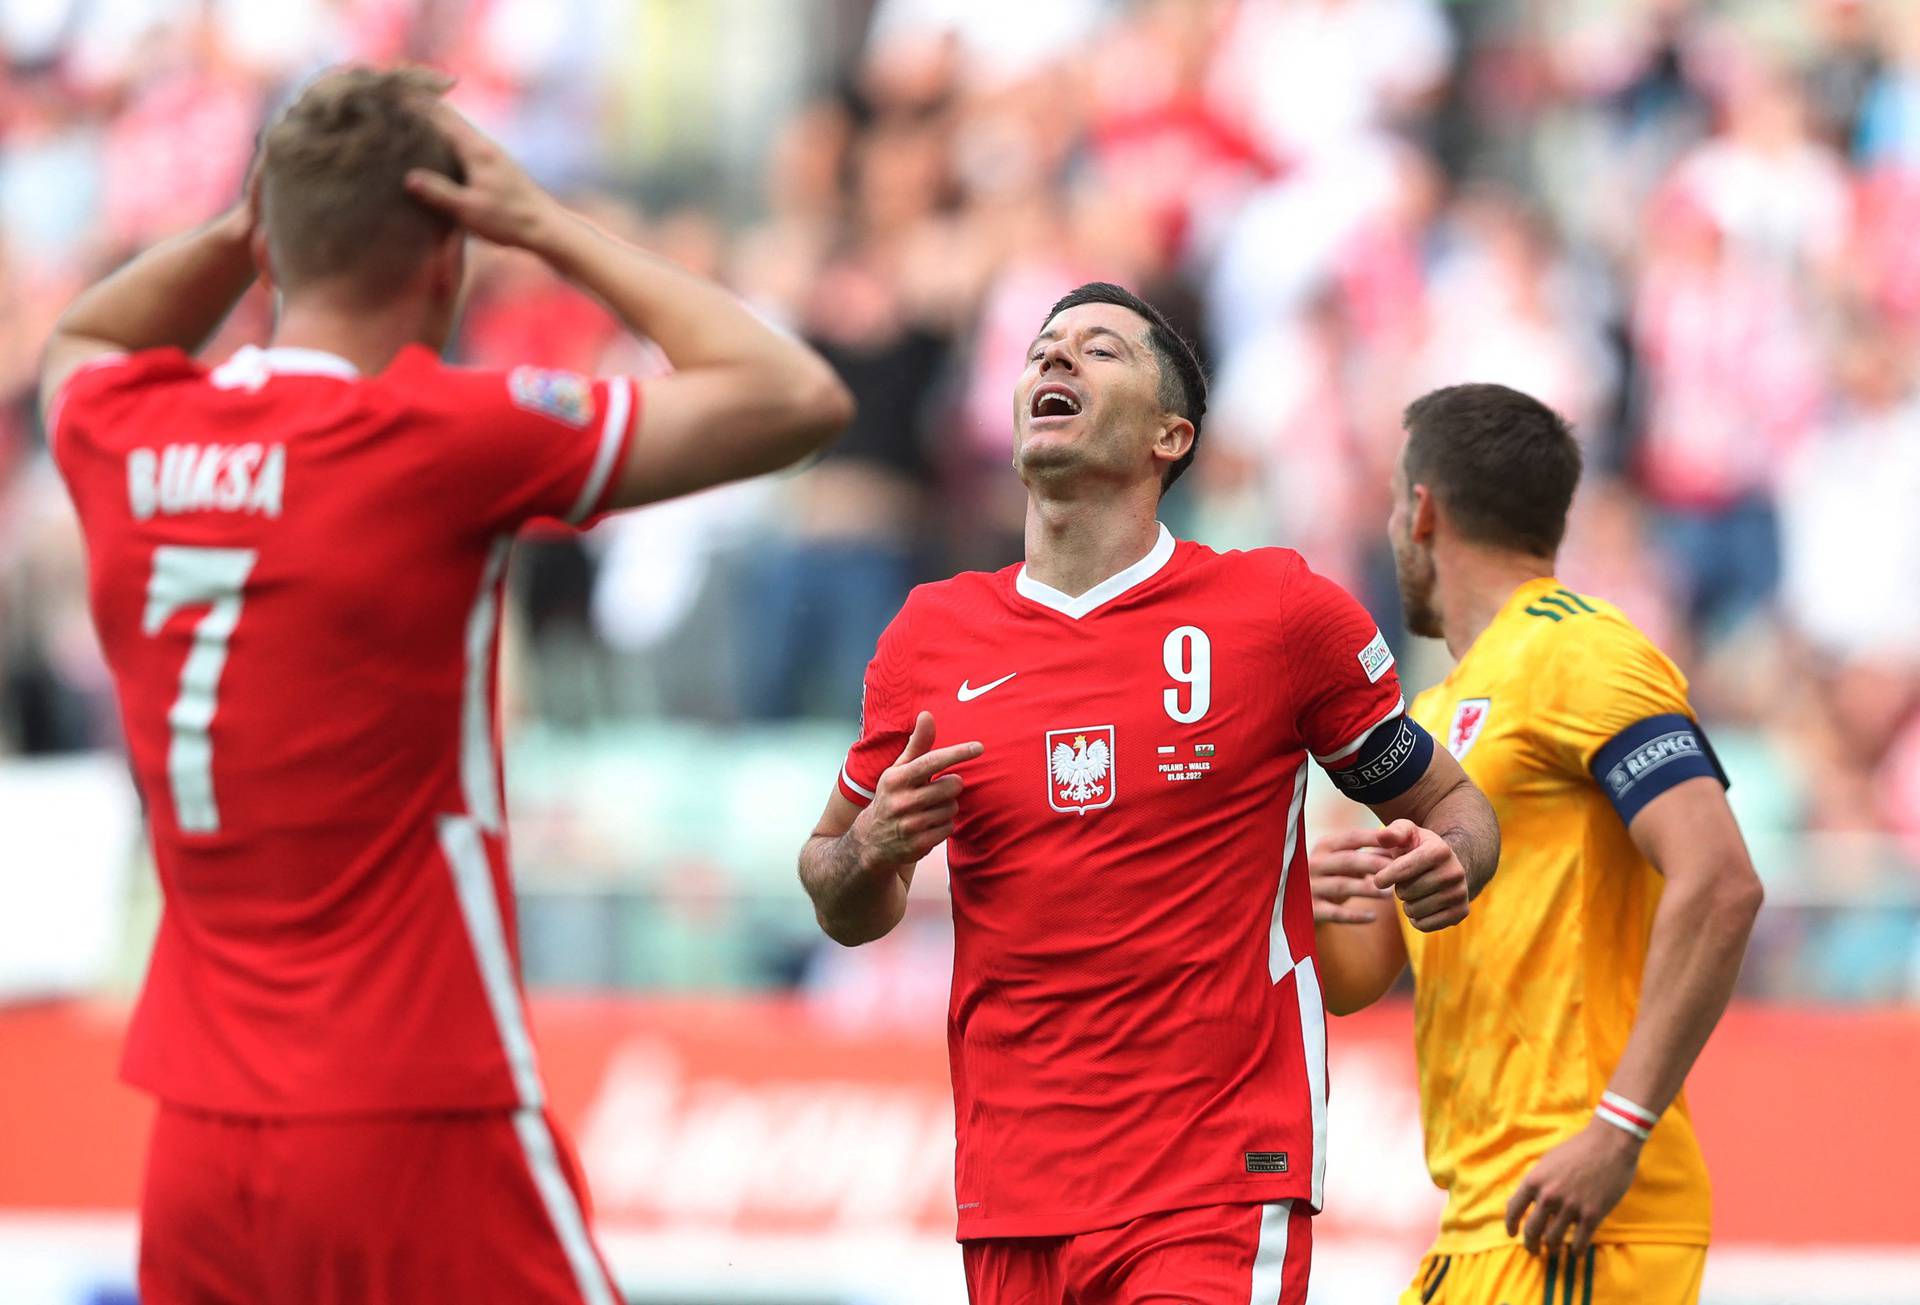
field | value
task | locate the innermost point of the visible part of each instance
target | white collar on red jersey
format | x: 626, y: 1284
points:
x: 1104, y: 592
x: 251, y: 365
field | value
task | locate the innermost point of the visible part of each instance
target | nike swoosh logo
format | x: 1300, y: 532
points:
x: 968, y: 693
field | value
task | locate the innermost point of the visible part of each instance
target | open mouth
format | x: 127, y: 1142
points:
x: 1054, y: 400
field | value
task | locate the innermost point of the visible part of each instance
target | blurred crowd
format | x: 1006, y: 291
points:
x: 1688, y: 226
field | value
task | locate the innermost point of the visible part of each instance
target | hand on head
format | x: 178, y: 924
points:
x: 498, y: 201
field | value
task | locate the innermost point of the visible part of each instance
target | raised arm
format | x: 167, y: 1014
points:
x: 743, y: 398
x: 176, y: 293
x: 859, y: 862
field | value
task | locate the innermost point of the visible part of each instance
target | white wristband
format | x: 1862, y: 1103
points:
x: 1625, y: 1115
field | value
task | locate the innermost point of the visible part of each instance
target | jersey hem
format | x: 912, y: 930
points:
x: 338, y: 1116
x: 450, y: 1104
x: 1067, y: 1223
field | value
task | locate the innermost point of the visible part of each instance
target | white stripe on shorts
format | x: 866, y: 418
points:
x: 1270, y: 1260
x: 543, y: 1157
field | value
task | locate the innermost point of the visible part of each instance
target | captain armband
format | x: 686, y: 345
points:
x: 1649, y: 757
x: 1394, y: 756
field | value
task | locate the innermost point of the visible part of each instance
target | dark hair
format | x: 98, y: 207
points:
x: 1183, y: 385
x: 1502, y: 463
x: 333, y: 174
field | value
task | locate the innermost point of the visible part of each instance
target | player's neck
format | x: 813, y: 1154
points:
x: 1073, y: 544
x: 367, y: 340
x: 1472, y: 585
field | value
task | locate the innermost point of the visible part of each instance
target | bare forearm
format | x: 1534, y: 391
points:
x: 695, y: 322
x: 744, y: 399
x: 1446, y: 802
x: 1359, y: 962
x: 853, y: 903
x: 1463, y: 818
x: 1693, y: 959
x: 176, y: 293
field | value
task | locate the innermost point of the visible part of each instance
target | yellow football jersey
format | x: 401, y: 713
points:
x: 1523, y: 1010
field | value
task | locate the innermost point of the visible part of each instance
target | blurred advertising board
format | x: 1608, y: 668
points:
x: 68, y: 851
x: 752, y: 1149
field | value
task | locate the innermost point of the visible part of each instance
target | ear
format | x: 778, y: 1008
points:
x: 262, y: 259
x: 1173, y: 440
x: 1426, y: 515
x: 449, y: 264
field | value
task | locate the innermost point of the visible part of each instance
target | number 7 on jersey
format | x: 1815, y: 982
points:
x: 188, y: 577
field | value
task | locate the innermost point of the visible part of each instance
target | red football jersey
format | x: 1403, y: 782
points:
x: 296, y: 575
x: 1136, y: 1024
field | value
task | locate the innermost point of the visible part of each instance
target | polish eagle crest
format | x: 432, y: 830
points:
x: 1080, y: 764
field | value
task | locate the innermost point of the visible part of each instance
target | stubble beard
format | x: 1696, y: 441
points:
x: 1416, y: 579
x: 1059, y: 467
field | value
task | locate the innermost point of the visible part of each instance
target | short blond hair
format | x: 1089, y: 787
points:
x: 334, y: 201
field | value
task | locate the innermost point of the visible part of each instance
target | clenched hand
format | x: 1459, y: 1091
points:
x: 1402, y: 860
x: 1425, y: 874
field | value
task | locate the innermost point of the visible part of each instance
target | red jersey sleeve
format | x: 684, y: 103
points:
x: 80, y: 394
x: 887, y: 711
x: 540, y: 443
x: 1342, y: 672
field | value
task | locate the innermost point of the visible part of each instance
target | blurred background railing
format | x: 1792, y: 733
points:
x: 659, y: 858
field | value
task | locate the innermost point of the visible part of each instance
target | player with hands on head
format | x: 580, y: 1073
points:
x: 363, y: 279
x: 1137, y: 1033
x: 333, y: 1005
x: 1555, y: 1027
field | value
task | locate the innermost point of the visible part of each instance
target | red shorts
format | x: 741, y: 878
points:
x: 1212, y: 1255
x: 364, y: 1211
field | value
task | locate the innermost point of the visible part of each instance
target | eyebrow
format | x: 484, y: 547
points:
x: 1052, y: 333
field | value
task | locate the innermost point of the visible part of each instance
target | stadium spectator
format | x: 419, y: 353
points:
x: 822, y: 590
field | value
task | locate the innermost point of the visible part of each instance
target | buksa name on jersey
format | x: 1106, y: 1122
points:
x: 207, y: 477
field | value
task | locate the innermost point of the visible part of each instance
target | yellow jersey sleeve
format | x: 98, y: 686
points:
x: 1616, y: 711
x: 1608, y: 678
